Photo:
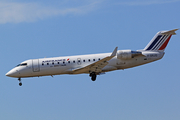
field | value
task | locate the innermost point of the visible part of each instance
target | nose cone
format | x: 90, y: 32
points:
x: 9, y: 74
x: 12, y: 73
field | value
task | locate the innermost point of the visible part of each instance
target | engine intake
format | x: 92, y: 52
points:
x: 127, y: 54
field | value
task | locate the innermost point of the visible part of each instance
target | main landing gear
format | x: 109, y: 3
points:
x: 20, y: 83
x: 93, y: 76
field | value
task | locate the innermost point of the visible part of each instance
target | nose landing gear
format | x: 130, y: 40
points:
x: 20, y: 83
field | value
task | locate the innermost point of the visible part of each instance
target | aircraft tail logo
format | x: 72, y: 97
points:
x: 160, y: 40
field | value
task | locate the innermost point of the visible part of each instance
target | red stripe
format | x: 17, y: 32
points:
x: 165, y: 43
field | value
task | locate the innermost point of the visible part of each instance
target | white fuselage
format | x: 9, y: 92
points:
x: 66, y: 65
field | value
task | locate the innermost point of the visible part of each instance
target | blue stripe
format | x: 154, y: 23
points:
x: 158, y: 42
x: 162, y: 42
x: 154, y: 42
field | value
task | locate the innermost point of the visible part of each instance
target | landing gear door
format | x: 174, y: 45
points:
x: 35, y: 65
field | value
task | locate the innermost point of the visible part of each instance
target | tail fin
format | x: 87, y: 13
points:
x: 160, y: 40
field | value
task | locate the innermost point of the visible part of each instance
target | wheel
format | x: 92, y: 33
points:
x: 93, y: 77
x: 20, y: 84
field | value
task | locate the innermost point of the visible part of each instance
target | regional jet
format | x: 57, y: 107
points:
x: 94, y: 64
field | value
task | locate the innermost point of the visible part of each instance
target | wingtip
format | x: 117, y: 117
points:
x: 114, y: 52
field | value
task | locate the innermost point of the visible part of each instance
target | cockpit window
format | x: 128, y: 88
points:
x: 22, y: 64
x: 18, y: 65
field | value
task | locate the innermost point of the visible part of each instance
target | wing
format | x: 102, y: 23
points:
x: 97, y: 66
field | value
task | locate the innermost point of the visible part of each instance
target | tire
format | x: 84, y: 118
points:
x: 20, y: 84
x: 93, y: 78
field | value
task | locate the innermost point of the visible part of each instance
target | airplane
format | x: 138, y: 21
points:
x: 94, y: 64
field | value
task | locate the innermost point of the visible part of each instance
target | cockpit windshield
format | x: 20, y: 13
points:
x: 22, y: 64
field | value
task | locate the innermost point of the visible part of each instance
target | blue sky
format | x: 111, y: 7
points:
x: 42, y: 28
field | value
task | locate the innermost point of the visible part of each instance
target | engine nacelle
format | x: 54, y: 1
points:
x: 127, y: 54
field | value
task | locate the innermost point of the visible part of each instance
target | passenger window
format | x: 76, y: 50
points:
x: 94, y: 60
x: 53, y: 63
x: 68, y: 61
x: 89, y: 60
x: 83, y: 60
x: 58, y: 63
x: 47, y: 63
x: 99, y: 59
x: 63, y: 62
x: 42, y: 63
x: 74, y: 61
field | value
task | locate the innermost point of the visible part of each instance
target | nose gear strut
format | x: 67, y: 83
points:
x: 20, y: 83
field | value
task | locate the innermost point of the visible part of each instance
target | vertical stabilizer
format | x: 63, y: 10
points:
x: 160, y: 40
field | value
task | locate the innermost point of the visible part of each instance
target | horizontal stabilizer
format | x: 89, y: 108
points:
x: 172, y: 32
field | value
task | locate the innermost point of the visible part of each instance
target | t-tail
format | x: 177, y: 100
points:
x: 160, y: 41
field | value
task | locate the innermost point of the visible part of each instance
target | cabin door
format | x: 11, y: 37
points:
x: 35, y: 65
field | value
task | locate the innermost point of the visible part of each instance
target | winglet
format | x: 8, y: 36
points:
x: 114, y: 52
